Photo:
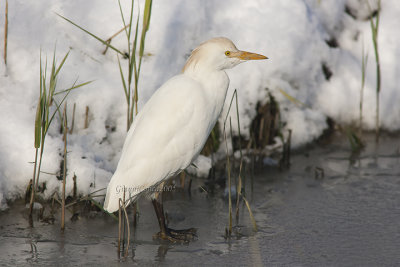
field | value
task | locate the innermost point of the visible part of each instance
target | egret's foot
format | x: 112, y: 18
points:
x: 177, y: 236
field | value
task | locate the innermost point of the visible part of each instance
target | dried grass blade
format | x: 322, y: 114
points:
x: 91, y: 34
x: 292, y: 98
x: 253, y: 221
x: 126, y: 91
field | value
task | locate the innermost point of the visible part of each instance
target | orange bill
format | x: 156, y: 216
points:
x: 243, y: 55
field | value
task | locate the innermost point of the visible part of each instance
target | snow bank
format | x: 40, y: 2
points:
x: 292, y: 33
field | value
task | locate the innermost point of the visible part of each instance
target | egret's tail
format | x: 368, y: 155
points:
x: 132, y: 184
x: 115, y: 192
x: 111, y: 202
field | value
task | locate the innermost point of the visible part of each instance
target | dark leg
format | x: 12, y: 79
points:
x: 158, y: 207
x: 167, y: 233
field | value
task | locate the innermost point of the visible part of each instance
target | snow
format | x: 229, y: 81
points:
x: 292, y: 33
x: 201, y: 168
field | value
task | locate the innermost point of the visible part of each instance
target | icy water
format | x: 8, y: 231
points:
x: 326, y: 210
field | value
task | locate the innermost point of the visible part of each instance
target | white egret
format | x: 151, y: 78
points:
x: 173, y: 126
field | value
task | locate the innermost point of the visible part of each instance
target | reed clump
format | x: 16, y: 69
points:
x: 240, y: 194
x: 47, y: 108
x: 131, y: 82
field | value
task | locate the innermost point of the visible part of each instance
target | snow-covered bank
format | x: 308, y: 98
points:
x: 292, y: 33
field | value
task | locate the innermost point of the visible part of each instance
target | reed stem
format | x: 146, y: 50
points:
x: 374, y: 30
x: 65, y: 167
x: 6, y: 33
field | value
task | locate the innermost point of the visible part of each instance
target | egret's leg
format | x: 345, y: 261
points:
x: 166, y: 233
x: 158, y: 207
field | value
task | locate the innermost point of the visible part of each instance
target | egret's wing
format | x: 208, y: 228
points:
x: 166, y: 135
x: 168, y: 123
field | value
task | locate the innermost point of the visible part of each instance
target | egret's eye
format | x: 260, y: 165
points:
x: 227, y: 53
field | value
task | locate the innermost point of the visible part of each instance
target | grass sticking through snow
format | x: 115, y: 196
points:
x: 45, y: 114
x: 134, y: 63
x: 374, y: 30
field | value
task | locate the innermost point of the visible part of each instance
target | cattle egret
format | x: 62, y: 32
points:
x: 172, y: 128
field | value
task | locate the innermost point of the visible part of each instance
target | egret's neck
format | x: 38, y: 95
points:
x: 215, y: 84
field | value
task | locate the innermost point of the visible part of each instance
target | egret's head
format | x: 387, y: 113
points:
x: 218, y: 54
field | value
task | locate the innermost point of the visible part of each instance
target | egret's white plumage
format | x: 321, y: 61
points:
x: 173, y: 126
